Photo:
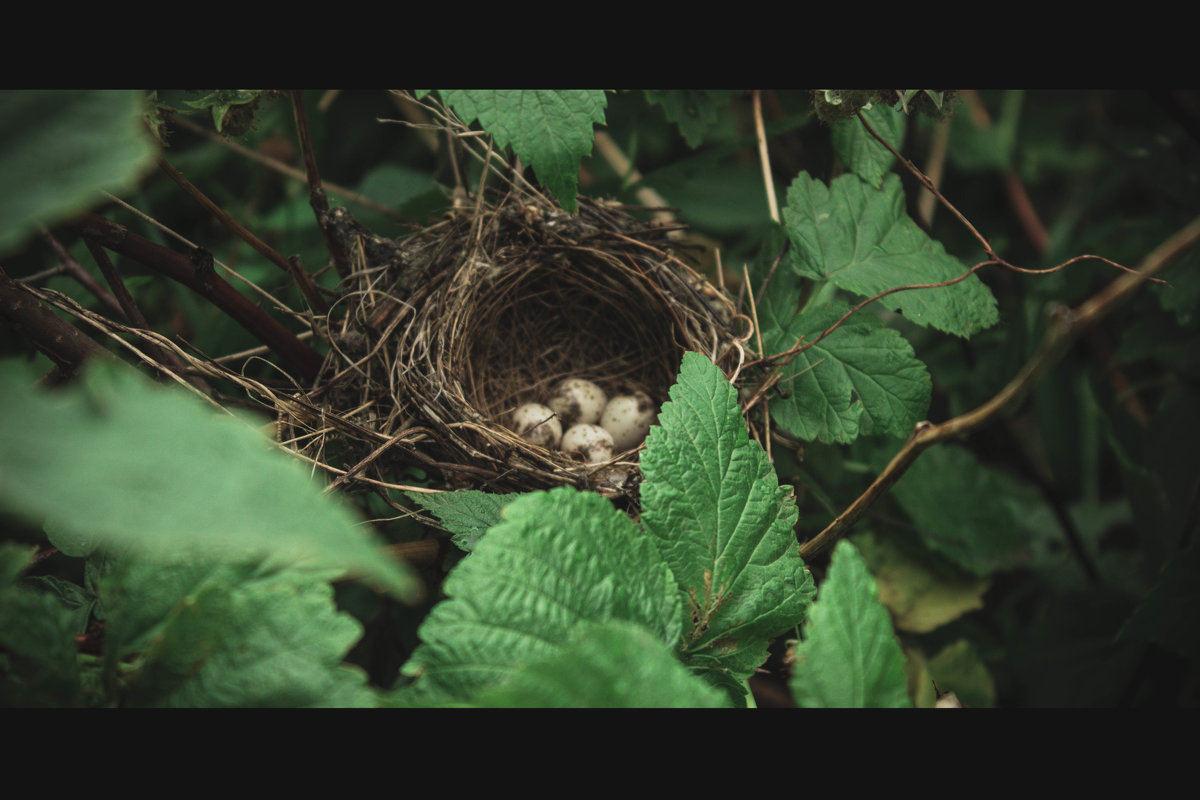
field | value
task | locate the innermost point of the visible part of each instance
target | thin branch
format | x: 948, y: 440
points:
x: 301, y: 278
x: 200, y: 278
x: 928, y: 184
x: 134, y: 315
x: 316, y: 194
x: 285, y: 169
x: 73, y: 268
x: 1066, y: 325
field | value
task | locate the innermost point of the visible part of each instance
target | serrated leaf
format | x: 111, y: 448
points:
x: 723, y: 523
x: 467, y: 514
x: 860, y: 239
x: 861, y: 379
x: 59, y: 150
x: 238, y: 639
x: 559, y: 557
x: 966, y: 511
x: 129, y: 464
x: 614, y: 664
x: 860, y: 151
x: 548, y: 129
x: 850, y: 657
x: 695, y: 111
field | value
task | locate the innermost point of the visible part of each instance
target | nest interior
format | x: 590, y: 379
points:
x: 455, y: 326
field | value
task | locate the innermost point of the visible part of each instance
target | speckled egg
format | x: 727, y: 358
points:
x: 577, y: 400
x: 628, y: 418
x: 594, y: 442
x: 537, y: 424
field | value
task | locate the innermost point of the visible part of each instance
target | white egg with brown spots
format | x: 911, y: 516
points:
x: 578, y: 401
x: 538, y: 425
x: 592, y: 441
x: 628, y: 418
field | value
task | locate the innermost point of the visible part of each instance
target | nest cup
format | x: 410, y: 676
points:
x: 492, y: 307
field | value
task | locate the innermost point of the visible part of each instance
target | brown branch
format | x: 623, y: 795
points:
x: 135, y: 318
x: 1066, y: 325
x: 76, y: 271
x: 301, y: 278
x: 63, y: 343
x: 316, y: 194
x: 202, y: 280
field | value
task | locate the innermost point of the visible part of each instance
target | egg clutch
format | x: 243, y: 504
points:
x: 580, y: 419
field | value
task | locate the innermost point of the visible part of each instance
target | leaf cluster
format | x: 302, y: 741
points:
x: 1044, y: 560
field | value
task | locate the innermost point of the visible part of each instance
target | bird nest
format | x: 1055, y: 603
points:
x: 450, y: 330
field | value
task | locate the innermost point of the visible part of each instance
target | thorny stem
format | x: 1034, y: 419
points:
x: 1066, y: 325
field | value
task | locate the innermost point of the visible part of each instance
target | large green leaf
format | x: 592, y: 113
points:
x: 724, y: 524
x: 559, y: 558
x: 118, y: 461
x: 850, y: 657
x: 861, y: 379
x: 615, y: 664
x: 243, y: 639
x: 860, y: 238
x: 548, y: 129
x: 695, y: 111
x: 968, y: 512
x: 59, y: 150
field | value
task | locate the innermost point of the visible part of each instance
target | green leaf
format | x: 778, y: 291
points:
x: 38, y: 657
x: 975, y: 148
x: 861, y: 379
x: 712, y: 502
x: 861, y: 240
x: 241, y: 637
x: 958, y: 668
x: 60, y: 150
x: 920, y: 596
x: 125, y: 463
x: 548, y: 129
x: 614, y: 664
x: 695, y: 111
x: 966, y: 511
x: 860, y: 151
x: 466, y: 514
x: 850, y: 657
x: 558, y: 558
